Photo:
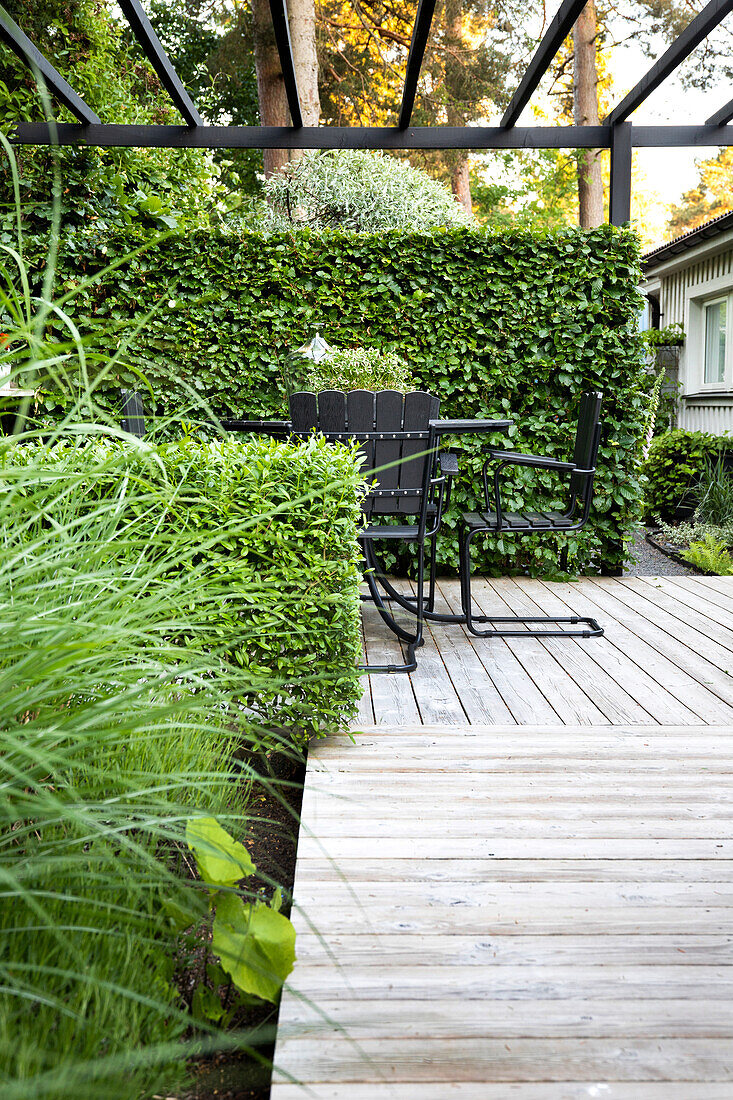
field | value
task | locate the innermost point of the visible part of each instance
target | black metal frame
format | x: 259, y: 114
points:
x: 496, y: 523
x: 420, y: 32
x: 693, y: 34
x: 281, y: 27
x: 616, y: 134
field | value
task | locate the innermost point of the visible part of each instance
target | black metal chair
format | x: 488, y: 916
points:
x: 400, y: 432
x: 496, y: 521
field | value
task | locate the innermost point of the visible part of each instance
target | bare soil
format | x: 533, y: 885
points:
x: 272, y: 842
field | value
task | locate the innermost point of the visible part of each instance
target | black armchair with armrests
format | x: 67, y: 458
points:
x: 496, y: 521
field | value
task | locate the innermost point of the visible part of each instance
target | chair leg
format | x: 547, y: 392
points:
x: 373, y: 576
x: 430, y: 605
x: 590, y: 628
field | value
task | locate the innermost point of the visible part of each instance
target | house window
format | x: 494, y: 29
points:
x: 717, y: 351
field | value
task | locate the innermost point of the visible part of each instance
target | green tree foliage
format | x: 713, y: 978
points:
x: 711, y: 196
x: 210, y: 45
x: 533, y: 189
x: 100, y: 187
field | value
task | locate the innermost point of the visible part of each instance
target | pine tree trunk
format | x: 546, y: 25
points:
x: 585, y: 113
x: 303, y: 38
x: 454, y: 79
x: 460, y: 182
x: 273, y: 101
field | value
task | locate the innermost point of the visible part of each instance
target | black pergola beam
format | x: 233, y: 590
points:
x: 693, y: 34
x: 619, y: 202
x: 357, y: 137
x: 31, y: 56
x: 553, y: 39
x: 281, y: 26
x: 721, y: 117
x: 159, y: 60
x: 420, y: 34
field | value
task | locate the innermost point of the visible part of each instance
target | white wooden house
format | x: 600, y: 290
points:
x: 689, y: 281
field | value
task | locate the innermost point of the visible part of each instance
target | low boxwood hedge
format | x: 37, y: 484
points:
x: 275, y: 526
x: 673, y: 467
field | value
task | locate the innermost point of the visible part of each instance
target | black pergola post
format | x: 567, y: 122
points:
x: 419, y: 41
x: 156, y: 55
x: 281, y: 28
x: 693, y: 34
x: 619, y: 205
x: 721, y: 117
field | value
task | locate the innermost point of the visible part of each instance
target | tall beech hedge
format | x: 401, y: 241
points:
x: 493, y: 322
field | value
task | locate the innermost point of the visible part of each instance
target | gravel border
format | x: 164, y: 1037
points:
x: 646, y: 559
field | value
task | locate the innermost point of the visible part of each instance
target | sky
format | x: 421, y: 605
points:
x: 669, y: 171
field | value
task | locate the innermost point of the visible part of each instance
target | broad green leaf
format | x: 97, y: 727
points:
x: 255, y: 944
x: 206, y: 1005
x: 221, y: 859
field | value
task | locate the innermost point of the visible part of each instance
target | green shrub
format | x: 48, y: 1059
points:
x: 358, y: 369
x: 492, y: 322
x: 274, y: 526
x: 673, y: 468
x: 711, y: 555
x: 714, y: 494
x: 360, y: 192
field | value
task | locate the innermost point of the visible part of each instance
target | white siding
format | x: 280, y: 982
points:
x: 672, y: 297
x: 716, y: 419
x: 715, y: 416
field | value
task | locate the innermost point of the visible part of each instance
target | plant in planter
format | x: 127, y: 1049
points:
x: 664, y: 357
x: 358, y: 369
x: 673, y: 336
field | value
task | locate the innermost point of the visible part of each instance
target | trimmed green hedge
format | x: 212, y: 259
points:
x: 493, y: 322
x: 275, y: 530
x: 673, y: 466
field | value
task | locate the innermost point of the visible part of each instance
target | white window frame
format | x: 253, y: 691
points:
x: 727, y: 380
x: 697, y: 299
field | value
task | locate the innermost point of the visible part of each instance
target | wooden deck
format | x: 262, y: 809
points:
x: 489, y: 912
x: 666, y: 658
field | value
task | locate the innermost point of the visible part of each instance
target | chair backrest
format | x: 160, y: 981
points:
x: 133, y: 419
x: 391, y: 427
x: 587, y: 440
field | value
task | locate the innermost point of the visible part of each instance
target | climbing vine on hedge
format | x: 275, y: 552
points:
x: 493, y: 322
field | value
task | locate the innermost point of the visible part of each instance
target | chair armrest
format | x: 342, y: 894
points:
x: 448, y: 462
x: 464, y: 427
x: 539, y: 462
x: 259, y: 427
